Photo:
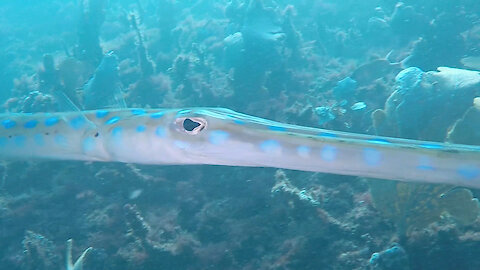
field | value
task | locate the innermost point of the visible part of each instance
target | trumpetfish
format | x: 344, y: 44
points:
x: 219, y: 136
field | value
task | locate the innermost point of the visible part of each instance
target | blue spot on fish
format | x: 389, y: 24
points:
x: 160, y: 132
x: 184, y: 111
x: 117, y: 131
x: 277, y: 128
x: 424, y: 164
x: 431, y: 146
x: 379, y: 141
x: 8, y: 123
x: 19, y: 140
x: 77, y: 122
x: 138, y: 112
x: 30, y: 124
x: 101, y: 113
x: 238, y: 122
x: 112, y: 120
x: 141, y: 129
x: 117, y: 134
x: 157, y: 115
x: 38, y: 139
x: 372, y: 156
x: 51, y: 121
x: 425, y: 167
x: 270, y: 146
x: 181, y: 144
x: 60, y: 140
x: 88, y: 144
x: 218, y: 137
x: 328, y: 153
x: 327, y: 135
x: 469, y: 172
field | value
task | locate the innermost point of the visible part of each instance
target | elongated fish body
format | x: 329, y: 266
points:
x: 223, y: 137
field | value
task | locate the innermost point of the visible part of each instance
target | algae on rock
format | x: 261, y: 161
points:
x: 415, y: 206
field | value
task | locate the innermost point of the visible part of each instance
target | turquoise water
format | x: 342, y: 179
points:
x: 356, y: 66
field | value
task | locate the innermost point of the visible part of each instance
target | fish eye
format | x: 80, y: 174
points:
x: 191, y: 125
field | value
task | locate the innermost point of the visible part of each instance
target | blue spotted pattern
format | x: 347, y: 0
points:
x: 117, y: 131
x: 379, y: 141
x: 88, y: 144
x: 218, y: 137
x: 327, y: 135
x: 8, y: 123
x: 112, y: 120
x: 157, y: 115
x: 141, y: 128
x: 238, y: 122
x: 469, y: 172
x: 425, y: 167
x: 184, y: 111
x: 270, y: 146
x: 277, y: 128
x: 328, y: 153
x: 181, y: 144
x: 138, y: 112
x: 101, y: 114
x: 424, y: 164
x: 78, y: 122
x: 372, y: 156
x: 60, y: 140
x: 160, y: 132
x: 431, y: 146
x: 30, y: 124
x: 51, y: 121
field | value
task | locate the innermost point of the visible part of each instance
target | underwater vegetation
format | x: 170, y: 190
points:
x: 415, y: 206
x: 405, y: 69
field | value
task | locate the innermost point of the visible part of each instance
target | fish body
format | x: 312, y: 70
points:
x: 218, y: 136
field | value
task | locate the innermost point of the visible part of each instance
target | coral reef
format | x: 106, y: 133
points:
x: 442, y: 246
x: 415, y: 206
x: 39, y: 252
x: 394, y: 257
x: 425, y: 104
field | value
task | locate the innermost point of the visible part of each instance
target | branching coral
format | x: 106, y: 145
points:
x: 284, y: 185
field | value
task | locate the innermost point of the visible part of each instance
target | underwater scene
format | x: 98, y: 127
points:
x: 134, y: 134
